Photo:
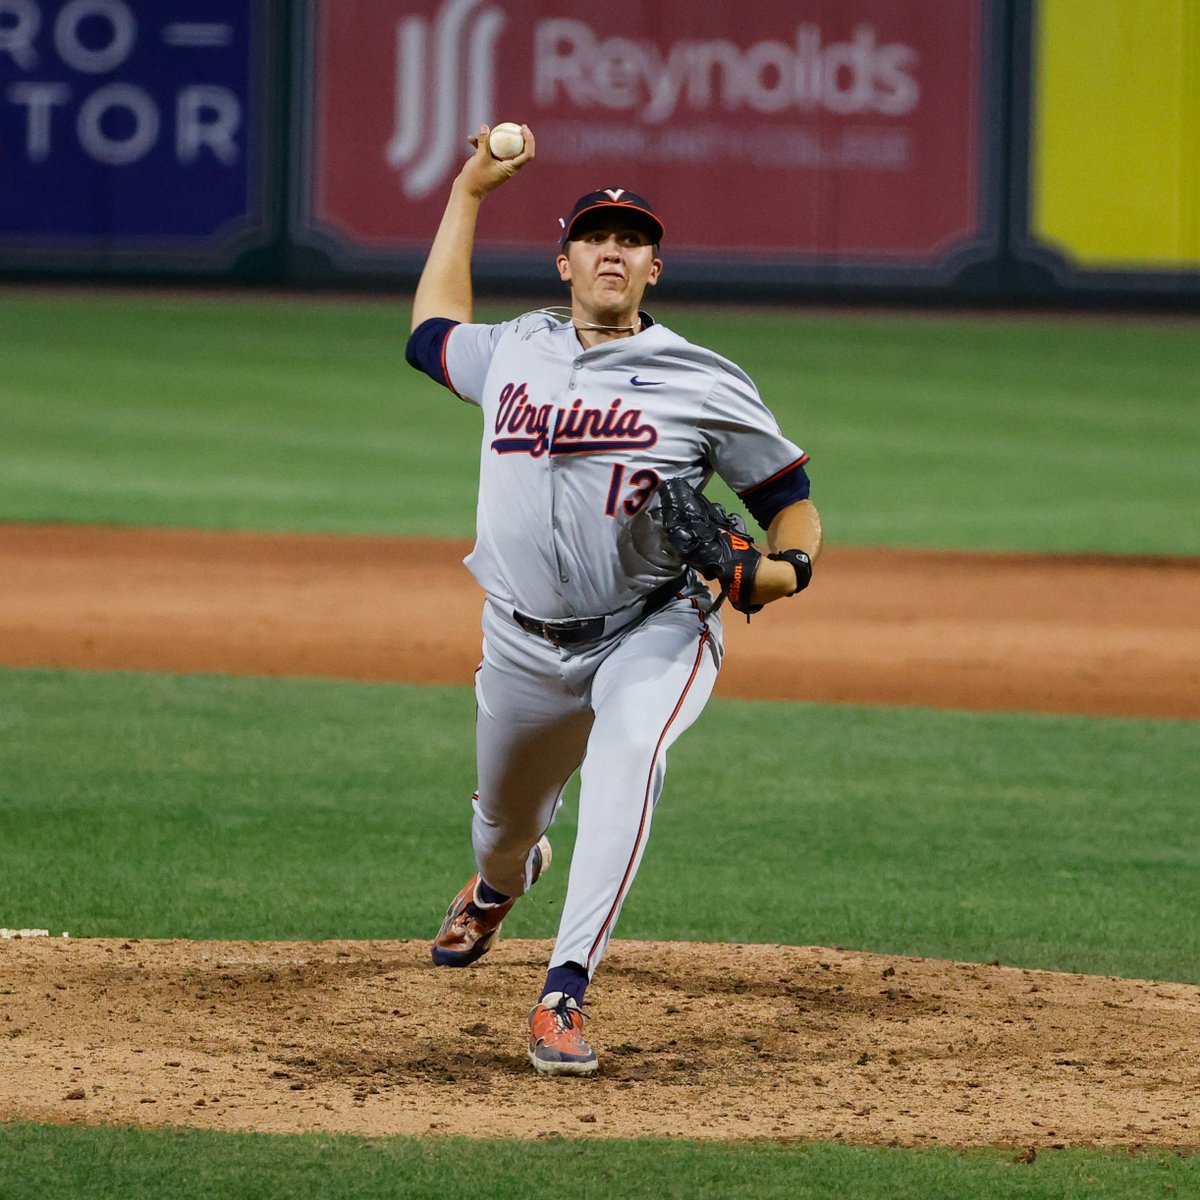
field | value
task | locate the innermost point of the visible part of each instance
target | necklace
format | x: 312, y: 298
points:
x: 564, y: 314
x: 609, y: 328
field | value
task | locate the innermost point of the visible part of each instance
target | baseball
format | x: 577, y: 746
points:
x: 506, y: 140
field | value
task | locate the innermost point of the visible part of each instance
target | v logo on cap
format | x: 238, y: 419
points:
x: 633, y: 209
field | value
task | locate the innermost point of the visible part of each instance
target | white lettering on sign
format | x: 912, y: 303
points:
x: 197, y: 34
x: 118, y: 123
x: 101, y: 144
x: 122, y: 34
x: 207, y: 116
x: 39, y: 99
x: 792, y: 146
x: 20, y: 21
x: 208, y: 119
x: 855, y: 77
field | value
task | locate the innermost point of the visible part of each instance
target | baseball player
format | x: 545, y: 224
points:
x: 601, y: 644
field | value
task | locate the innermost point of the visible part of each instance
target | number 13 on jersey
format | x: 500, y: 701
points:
x: 642, y: 485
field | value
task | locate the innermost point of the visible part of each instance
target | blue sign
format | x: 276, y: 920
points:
x: 131, y: 125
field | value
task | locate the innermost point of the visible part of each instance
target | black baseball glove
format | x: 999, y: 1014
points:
x: 706, y: 537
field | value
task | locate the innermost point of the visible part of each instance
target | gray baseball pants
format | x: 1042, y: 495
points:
x: 611, y: 709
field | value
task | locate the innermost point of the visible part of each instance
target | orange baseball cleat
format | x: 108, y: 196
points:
x: 556, y: 1045
x: 471, y: 927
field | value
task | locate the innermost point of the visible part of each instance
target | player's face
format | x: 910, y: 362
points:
x: 609, y: 270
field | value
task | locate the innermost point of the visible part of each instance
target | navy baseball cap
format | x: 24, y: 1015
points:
x: 596, y: 207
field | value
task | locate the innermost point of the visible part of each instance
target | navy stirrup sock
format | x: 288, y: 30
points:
x: 569, y: 978
x: 489, y: 895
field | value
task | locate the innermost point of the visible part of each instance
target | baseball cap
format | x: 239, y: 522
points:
x: 596, y: 206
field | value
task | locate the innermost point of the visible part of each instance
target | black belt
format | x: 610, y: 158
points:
x: 591, y: 629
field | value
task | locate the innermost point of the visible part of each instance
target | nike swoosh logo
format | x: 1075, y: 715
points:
x: 645, y: 382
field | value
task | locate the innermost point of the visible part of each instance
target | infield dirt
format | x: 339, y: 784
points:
x: 1101, y: 636
x: 703, y: 1041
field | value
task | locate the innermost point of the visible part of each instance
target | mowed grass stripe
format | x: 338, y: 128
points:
x: 211, y: 807
x: 1062, y: 435
x: 44, y: 1163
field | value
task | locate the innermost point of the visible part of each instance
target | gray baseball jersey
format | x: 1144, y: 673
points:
x: 575, y: 442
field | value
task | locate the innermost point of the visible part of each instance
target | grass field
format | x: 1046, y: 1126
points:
x: 275, y: 414
x: 197, y: 806
x: 209, y: 807
x: 195, y: 1165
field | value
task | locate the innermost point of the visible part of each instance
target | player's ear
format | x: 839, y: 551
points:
x: 655, y: 272
x: 564, y: 268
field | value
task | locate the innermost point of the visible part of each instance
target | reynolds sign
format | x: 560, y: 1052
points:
x: 856, y: 127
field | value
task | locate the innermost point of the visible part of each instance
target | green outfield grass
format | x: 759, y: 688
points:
x: 210, y: 807
x: 278, y: 414
x: 37, y: 1163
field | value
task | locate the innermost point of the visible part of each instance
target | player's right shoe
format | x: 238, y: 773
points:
x: 556, y: 1045
x: 471, y: 927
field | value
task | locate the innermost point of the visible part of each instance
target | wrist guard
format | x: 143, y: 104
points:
x: 801, y: 563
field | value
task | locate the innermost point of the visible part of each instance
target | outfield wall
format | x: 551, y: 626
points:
x: 944, y: 148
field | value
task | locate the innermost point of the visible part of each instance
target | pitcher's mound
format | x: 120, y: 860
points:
x: 701, y: 1041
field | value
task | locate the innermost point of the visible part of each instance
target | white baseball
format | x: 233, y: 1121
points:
x: 506, y: 140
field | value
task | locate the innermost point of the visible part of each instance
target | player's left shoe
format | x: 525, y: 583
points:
x: 556, y: 1045
x: 471, y: 927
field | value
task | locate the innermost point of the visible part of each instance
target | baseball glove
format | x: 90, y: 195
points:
x: 706, y: 537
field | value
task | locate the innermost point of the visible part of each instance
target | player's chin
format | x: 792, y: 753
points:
x: 613, y: 295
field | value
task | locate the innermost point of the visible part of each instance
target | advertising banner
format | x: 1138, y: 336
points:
x: 819, y: 131
x: 1111, y: 179
x: 131, y: 130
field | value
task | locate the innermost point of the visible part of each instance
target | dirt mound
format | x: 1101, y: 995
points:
x: 702, y: 1041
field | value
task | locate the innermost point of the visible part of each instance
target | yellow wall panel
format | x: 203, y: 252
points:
x: 1115, y: 160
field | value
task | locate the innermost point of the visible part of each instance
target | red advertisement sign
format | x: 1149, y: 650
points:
x: 831, y: 129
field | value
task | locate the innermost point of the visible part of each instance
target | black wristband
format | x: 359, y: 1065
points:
x: 801, y: 563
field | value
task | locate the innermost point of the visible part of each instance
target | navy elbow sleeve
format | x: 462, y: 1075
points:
x: 767, y: 499
x: 426, y: 349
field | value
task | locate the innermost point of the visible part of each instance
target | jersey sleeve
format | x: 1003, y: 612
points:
x: 747, y: 448
x: 455, y: 355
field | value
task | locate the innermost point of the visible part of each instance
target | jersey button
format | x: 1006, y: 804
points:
x: 565, y: 578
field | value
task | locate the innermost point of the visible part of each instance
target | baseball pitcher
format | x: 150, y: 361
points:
x: 601, y: 640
